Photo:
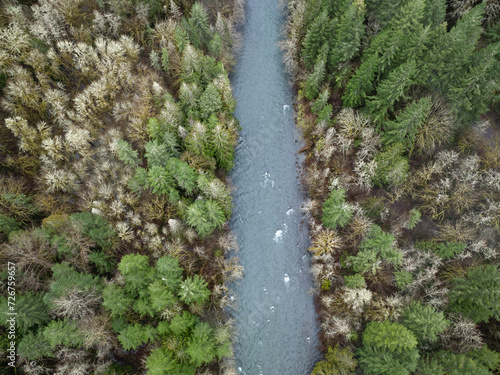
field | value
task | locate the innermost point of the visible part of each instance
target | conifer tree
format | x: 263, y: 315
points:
x: 315, y: 79
x: 361, y: 83
x: 194, y: 290
x: 205, y: 216
x: 136, y: 271
x: 477, y: 296
x: 199, y: 31
x: 336, y: 212
x: 424, y: 321
x: 318, y: 34
x: 223, y: 143
x: 210, y: 102
x: 116, y: 300
x: 407, y: 123
x: 392, y: 166
x: 128, y: 155
x: 183, y: 174
x: 392, y: 89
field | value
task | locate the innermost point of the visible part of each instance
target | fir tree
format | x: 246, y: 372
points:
x: 136, y: 271
x: 202, y: 346
x: 407, y: 123
x: 318, y: 34
x: 424, y: 321
x: 361, y: 83
x: 116, y: 300
x: 477, y: 296
x: 63, y: 332
x: 315, y: 79
x: 205, y: 216
x: 194, y: 290
x: 199, y: 31
x: 336, y: 212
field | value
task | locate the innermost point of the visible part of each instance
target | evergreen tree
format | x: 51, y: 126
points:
x: 407, y: 123
x: 183, y: 174
x: 392, y: 167
x: 223, y: 143
x: 181, y: 324
x: 95, y: 227
x: 337, y: 362
x: 424, y: 321
x: 116, y: 300
x: 461, y: 364
x: 477, y: 296
x: 8, y: 225
x: 161, y: 296
x: 165, y: 63
x: 349, y: 31
x: 392, y: 89
x: 162, y: 183
x: 361, y: 83
x: 162, y: 362
x: 199, y: 31
x: 336, y: 212
x: 157, y: 153
x: 318, y: 34
x: 63, y: 332
x: 133, y: 336
x: 205, y: 216
x: 202, y: 346
x: 167, y: 268
x: 136, y: 271
x: 210, y: 102
x: 34, y: 346
x: 315, y: 79
x: 194, y: 290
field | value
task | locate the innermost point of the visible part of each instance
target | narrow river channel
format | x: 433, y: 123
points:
x: 276, y: 320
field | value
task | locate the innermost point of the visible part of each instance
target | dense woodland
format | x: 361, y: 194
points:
x: 398, y: 101
x: 116, y: 136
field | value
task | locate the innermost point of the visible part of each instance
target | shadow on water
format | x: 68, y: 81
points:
x: 276, y: 320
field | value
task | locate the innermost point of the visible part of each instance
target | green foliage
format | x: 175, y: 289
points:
x: 315, y: 79
x: 414, y: 219
x: 66, y: 280
x: 477, y: 296
x: 429, y: 366
x: 116, y: 300
x: 183, y: 174
x: 194, y: 290
x: 445, y: 250
x: 31, y: 312
x: 407, y: 123
x: 361, y: 83
x: 317, y: 35
x: 373, y: 207
x: 162, y: 132
x: 392, y: 167
x: 103, y: 262
x: 210, y: 102
x: 389, y: 336
x: 168, y: 269
x: 321, y: 101
x: 95, y: 227
x: 136, y: 271
x: 392, y: 89
x: 377, y: 244
x: 8, y: 225
x: 34, y: 346
x: 161, y: 296
x: 350, y: 29
x: 18, y: 206
x: 337, y: 362
x: 486, y: 357
x: 205, y: 216
x: 63, y: 332
x: 133, y: 336
x: 158, y: 153
x: 162, y: 362
x: 202, y: 346
x: 139, y: 181
x: 461, y: 364
x: 355, y: 281
x: 199, y: 32
x: 181, y: 324
x: 223, y: 142
x: 403, y: 278
x: 424, y: 321
x: 336, y: 212
x: 161, y: 182
x: 143, y: 305
x: 165, y: 63
x: 388, y: 349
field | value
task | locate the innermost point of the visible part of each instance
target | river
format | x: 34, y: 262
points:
x: 275, y: 319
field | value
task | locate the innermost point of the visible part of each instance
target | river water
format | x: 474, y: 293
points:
x: 275, y: 318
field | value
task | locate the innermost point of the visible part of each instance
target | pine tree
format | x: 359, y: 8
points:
x: 167, y: 268
x: 161, y: 296
x: 336, y: 212
x: 34, y: 346
x: 8, y: 225
x: 181, y: 324
x: 133, y: 336
x: 157, y: 153
x: 318, y: 34
x: 183, y: 174
x: 407, y: 123
x: 477, y: 296
x: 162, y: 182
x: 461, y: 364
x: 165, y: 63
x: 223, y: 142
x: 128, y: 155
x: 194, y: 290
x: 392, y: 167
x: 337, y: 362
x: 424, y: 321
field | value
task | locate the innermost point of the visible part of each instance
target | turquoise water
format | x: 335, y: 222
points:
x: 276, y: 320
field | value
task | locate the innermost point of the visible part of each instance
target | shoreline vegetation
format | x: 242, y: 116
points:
x: 398, y: 102
x: 116, y: 138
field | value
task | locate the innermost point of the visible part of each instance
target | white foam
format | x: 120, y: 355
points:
x: 278, y: 236
x: 287, y: 278
x: 289, y: 212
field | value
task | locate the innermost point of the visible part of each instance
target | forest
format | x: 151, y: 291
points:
x: 116, y: 137
x: 398, y: 101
